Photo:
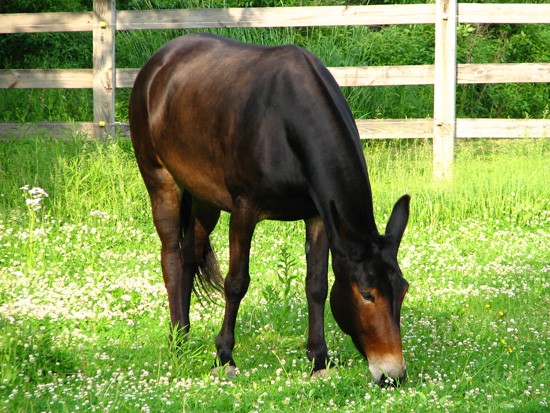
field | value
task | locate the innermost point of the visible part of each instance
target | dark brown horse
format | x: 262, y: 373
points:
x: 265, y: 133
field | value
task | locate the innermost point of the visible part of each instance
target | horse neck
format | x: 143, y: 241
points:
x: 346, y: 206
x: 334, y: 162
x: 342, y: 193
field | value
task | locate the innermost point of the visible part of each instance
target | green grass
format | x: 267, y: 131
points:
x: 84, y: 317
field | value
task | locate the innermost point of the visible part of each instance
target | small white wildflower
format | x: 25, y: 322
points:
x: 37, y: 192
x: 34, y: 197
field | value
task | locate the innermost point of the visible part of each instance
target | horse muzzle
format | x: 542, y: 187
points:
x: 388, y: 371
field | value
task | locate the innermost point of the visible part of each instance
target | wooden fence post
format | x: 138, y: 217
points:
x: 444, y: 88
x: 104, y: 67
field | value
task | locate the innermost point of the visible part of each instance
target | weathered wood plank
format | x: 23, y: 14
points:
x: 503, y: 13
x: 275, y: 17
x: 104, y: 81
x: 10, y: 130
x: 46, y: 78
x: 383, y: 75
x: 503, y: 128
x: 46, y: 22
x: 346, y: 76
x: 395, y: 128
x: 465, y: 128
x: 125, y: 77
x: 504, y: 73
x: 445, y: 73
x: 368, y: 128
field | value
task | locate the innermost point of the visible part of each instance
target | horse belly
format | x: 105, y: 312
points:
x: 290, y: 209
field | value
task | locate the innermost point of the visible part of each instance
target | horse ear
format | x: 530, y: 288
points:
x: 398, y: 221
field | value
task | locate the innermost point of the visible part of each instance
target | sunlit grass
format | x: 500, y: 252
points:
x: 85, y: 322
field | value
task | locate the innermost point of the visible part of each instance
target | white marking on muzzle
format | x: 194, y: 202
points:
x: 391, y: 366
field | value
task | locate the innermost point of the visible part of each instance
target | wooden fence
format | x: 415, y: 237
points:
x: 444, y: 74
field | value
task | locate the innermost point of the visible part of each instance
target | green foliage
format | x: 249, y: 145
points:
x: 80, y: 175
x: 336, y: 46
x: 503, y: 44
x: 31, y: 6
x: 45, y: 50
x: 28, y: 353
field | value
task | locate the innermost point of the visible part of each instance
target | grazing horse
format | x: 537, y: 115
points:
x: 265, y: 133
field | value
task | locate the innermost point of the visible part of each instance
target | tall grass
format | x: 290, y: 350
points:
x: 486, y: 183
x: 83, y: 175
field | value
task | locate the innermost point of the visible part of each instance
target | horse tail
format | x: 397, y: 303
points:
x: 207, y: 274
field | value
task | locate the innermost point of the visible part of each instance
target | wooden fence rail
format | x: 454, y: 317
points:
x: 444, y: 74
x: 346, y: 76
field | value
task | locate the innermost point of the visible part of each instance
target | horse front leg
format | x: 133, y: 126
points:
x: 316, y: 293
x: 241, y: 229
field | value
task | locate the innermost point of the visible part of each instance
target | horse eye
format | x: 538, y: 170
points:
x: 367, y: 296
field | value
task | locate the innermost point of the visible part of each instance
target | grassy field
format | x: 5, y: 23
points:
x: 84, y: 317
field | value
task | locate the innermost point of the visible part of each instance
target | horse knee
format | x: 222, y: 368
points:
x: 316, y: 290
x: 236, y: 286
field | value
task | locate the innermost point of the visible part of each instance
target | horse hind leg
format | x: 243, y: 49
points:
x: 177, y: 253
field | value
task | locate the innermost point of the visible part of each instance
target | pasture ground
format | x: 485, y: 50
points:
x: 84, y: 318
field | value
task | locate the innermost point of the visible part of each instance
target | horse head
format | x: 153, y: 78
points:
x: 367, y: 295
